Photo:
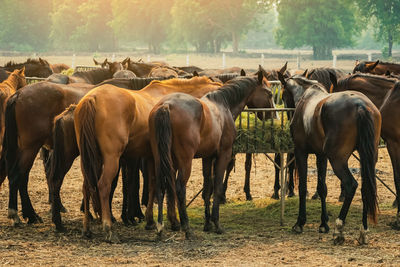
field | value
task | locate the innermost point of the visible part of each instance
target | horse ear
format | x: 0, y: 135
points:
x: 282, y: 79
x: 260, y: 77
x: 125, y: 60
x: 8, y: 72
x: 305, y: 73
x: 357, y: 62
x: 374, y: 65
x: 195, y: 74
x: 43, y: 62
x: 284, y: 68
x: 22, y: 71
x: 242, y: 72
x: 333, y: 79
x: 387, y: 73
x: 95, y: 62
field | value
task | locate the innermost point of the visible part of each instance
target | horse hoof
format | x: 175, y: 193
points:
x: 341, y: 198
x: 219, y: 230
x: 249, y: 198
x: 275, y: 195
x: 34, y: 219
x: 362, y: 238
x: 60, y: 228
x: 150, y: 226
x: 13, y: 215
x: 207, y: 227
x: 63, y: 209
x: 324, y: 228
x: 315, y: 196
x: 291, y: 194
x: 338, y: 240
x: 298, y: 229
x: 87, y: 234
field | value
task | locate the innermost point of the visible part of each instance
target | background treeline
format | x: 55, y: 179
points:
x: 199, y: 25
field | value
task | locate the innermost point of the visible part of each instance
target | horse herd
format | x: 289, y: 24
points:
x: 156, y: 118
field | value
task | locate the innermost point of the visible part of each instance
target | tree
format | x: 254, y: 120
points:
x: 387, y: 15
x: 324, y: 25
x: 142, y: 20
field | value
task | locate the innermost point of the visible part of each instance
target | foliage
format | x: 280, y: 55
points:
x: 324, y: 25
x: 387, y: 15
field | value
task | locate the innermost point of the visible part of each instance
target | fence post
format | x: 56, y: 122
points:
x: 334, y: 60
x: 73, y: 61
x: 148, y: 58
x: 298, y: 59
x: 369, y: 56
x: 187, y: 60
x: 262, y: 60
x: 223, y: 61
x: 113, y: 58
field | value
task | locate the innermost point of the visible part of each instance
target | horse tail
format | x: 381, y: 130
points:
x: 163, y: 138
x: 367, y: 150
x: 9, y: 158
x: 91, y: 157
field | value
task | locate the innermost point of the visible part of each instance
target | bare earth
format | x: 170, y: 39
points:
x: 261, y: 242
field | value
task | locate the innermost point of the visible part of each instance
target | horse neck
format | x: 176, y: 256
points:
x: 11, y: 84
x: 309, y: 93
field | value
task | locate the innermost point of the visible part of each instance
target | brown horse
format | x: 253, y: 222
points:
x: 59, y: 67
x: 29, y: 123
x: 102, y: 139
x: 163, y: 72
x: 376, y: 67
x: 33, y: 67
x: 332, y: 126
x: 3, y: 75
x: 183, y: 127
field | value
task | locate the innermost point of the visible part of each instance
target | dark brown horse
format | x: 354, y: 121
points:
x: 59, y: 67
x: 183, y: 127
x: 3, y: 75
x: 33, y: 67
x: 29, y: 123
x: 106, y: 132
x: 332, y: 126
x: 376, y: 67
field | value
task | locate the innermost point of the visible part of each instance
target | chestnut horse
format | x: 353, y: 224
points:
x: 109, y: 125
x: 33, y: 67
x: 183, y: 127
x: 376, y: 67
x: 3, y: 75
x: 332, y: 126
x: 59, y: 67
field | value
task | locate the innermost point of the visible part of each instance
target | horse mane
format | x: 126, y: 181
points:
x: 380, y: 62
x: 322, y: 75
x: 343, y: 83
x: 232, y: 92
x: 29, y: 60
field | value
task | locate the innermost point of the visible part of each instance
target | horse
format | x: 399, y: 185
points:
x: 29, y: 119
x: 332, y: 126
x: 376, y: 67
x: 376, y: 88
x: 33, y: 67
x: 140, y: 69
x: 391, y: 134
x: 182, y: 127
x: 59, y: 67
x: 163, y: 72
x: 102, y: 139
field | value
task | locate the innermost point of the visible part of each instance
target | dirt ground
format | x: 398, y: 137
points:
x: 253, y: 234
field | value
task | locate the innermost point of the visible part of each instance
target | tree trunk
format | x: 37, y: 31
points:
x: 390, y: 39
x: 235, y: 43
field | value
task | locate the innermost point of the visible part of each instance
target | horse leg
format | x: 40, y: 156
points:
x: 207, y: 191
x: 291, y: 170
x: 110, y: 169
x: 145, y: 193
x: 228, y: 172
x: 220, y: 167
x: 247, y: 167
x: 86, y: 218
x: 183, y: 177
x: 134, y: 208
x: 25, y: 163
x: 342, y: 171
x: 130, y: 176
x: 322, y: 191
x: 44, y: 156
x: 301, y: 161
x: 277, y: 160
x: 393, y: 148
x: 113, y: 186
x: 150, y: 225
